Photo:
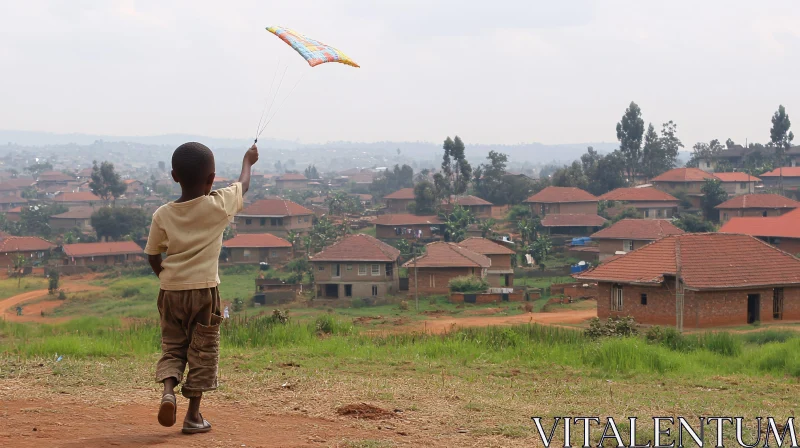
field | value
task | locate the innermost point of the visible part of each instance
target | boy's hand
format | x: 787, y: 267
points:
x: 251, y: 156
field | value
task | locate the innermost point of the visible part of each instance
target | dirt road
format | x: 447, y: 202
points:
x: 443, y: 324
x: 32, y: 313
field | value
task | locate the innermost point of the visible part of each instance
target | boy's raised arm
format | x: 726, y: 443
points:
x: 250, y: 158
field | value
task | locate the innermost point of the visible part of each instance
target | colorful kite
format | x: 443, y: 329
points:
x: 315, y: 52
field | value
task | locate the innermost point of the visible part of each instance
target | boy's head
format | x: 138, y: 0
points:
x: 193, y: 166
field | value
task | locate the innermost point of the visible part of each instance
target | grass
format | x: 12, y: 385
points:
x: 541, y: 282
x: 13, y: 286
x: 367, y: 231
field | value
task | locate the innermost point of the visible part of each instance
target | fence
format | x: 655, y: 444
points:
x: 486, y: 297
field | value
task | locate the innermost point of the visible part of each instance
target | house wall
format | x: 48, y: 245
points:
x: 301, y: 224
x: 609, y: 246
x: 725, y: 214
x: 701, y: 308
x: 271, y: 255
x: 498, y: 280
x: 361, y: 284
x: 655, y: 209
x: 774, y: 181
x: 398, y: 205
x: 388, y: 232
x: 103, y: 260
x: 677, y: 187
x: 7, y: 258
x: 738, y: 188
x: 564, y: 208
x: 500, y: 261
x: 436, y: 280
x: 458, y: 297
x: 789, y: 245
x: 291, y: 184
x: 70, y: 223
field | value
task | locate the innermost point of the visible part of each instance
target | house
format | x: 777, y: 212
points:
x: 399, y: 201
x: 77, y: 217
x: 32, y: 248
x: 85, y: 198
x: 738, y: 183
x: 479, y: 208
x: 365, y: 199
x: 628, y: 235
x: 756, y: 205
x: 501, y: 272
x: 431, y: 272
x: 683, y: 181
x: 791, y: 177
x: 700, y: 280
x: 257, y: 248
x: 563, y: 200
x: 782, y: 231
x: 569, y: 224
x: 15, y: 187
x: 134, y: 187
x: 400, y: 226
x: 292, y: 181
x: 96, y: 254
x: 651, y: 203
x: 275, y: 216
x: 357, y: 265
x: 13, y: 214
x: 10, y: 202
x: 50, y: 178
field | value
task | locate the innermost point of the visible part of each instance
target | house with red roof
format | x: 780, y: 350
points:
x: 399, y: 201
x: 501, y: 272
x: 480, y: 208
x: 782, y: 231
x: 292, y: 181
x: 275, y: 216
x: 700, y: 280
x: 566, y: 210
x: 96, y: 254
x: 407, y: 226
x: 15, y: 187
x: 258, y: 248
x: 356, y: 266
x: 13, y: 214
x: 75, y: 218
x: 683, y: 181
x: 50, y: 178
x: 756, y: 205
x: 32, y: 248
x: 737, y: 183
x: 431, y: 272
x: 85, y: 198
x: 134, y: 187
x: 627, y: 235
x: 11, y: 202
x: 651, y: 203
x: 790, y: 174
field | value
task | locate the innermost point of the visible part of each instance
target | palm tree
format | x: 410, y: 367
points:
x: 487, y: 227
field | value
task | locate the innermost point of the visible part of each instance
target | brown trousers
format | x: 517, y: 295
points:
x: 190, y: 335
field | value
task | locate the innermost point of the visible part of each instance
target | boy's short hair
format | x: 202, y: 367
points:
x: 192, y: 163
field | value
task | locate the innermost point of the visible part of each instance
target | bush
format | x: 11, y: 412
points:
x: 362, y: 302
x: 62, y: 295
x: 280, y: 317
x: 52, y: 282
x: 765, y: 337
x: 297, y: 265
x: 468, y: 284
x: 327, y: 324
x: 613, y: 327
x: 403, y: 306
x: 130, y: 291
x: 238, y: 305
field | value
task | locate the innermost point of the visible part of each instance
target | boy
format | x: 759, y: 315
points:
x: 190, y: 230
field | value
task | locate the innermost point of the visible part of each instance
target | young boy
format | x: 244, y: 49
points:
x: 190, y: 230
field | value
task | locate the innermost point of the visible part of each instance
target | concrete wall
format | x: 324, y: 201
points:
x: 677, y: 187
x: 565, y: 208
x: 275, y: 255
x: 359, y: 276
x: 7, y: 258
x: 738, y: 188
x: 609, y: 246
x: 301, y: 224
x: 725, y: 214
x: 363, y: 289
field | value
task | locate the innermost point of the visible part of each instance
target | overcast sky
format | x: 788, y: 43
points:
x: 500, y: 71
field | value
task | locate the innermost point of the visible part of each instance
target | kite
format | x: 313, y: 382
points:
x: 313, y: 51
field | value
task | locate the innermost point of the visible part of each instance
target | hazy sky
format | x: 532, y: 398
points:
x: 500, y: 71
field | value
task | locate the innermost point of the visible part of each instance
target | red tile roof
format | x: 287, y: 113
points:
x: 707, y: 261
x: 82, y: 196
x: 16, y: 184
x: 101, y: 249
x: 25, y: 244
x: 293, y: 176
x: 275, y: 207
x: 256, y: 240
x: 358, y: 247
x: 569, y: 220
x: 446, y: 255
x: 788, y: 171
x: 638, y: 229
x: 736, y: 177
x: 562, y: 194
x: 784, y: 226
x: 405, y: 219
x: 648, y: 194
x: 54, y: 176
x: 76, y: 213
x: 468, y: 200
x: 683, y: 175
x: 403, y: 193
x: 485, y: 246
x: 12, y: 200
x: 759, y: 201
x: 15, y: 210
x: 131, y: 181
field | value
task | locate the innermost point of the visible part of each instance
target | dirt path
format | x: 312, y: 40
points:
x: 32, y: 313
x: 443, y: 324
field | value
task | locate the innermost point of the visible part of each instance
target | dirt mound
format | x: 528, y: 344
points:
x: 364, y: 411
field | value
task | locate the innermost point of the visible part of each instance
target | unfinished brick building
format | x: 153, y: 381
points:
x: 441, y: 263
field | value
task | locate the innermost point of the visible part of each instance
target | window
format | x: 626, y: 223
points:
x: 321, y: 268
x: 263, y: 221
x: 647, y: 213
x: 246, y: 253
x: 276, y: 221
x: 724, y: 216
x: 432, y: 281
x: 374, y: 290
x: 777, y: 303
x: 389, y: 269
x: 273, y: 253
x: 362, y: 269
x: 616, y: 298
x: 248, y: 221
x: 349, y: 267
x: 743, y: 185
x: 376, y: 269
x: 336, y: 270
x: 627, y: 245
x: 644, y: 299
x: 299, y: 219
x: 764, y: 213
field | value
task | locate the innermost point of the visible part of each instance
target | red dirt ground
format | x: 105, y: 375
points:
x: 32, y: 313
x: 444, y: 324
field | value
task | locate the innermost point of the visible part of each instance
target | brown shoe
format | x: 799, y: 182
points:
x: 196, y: 428
x: 168, y: 412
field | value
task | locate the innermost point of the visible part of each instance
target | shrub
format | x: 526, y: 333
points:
x: 468, y: 284
x: 130, y: 291
x: 613, y: 327
x: 280, y: 317
x: 527, y: 307
x: 52, y: 282
x: 238, y: 305
x: 403, y: 305
x: 297, y: 265
x: 62, y: 295
x: 327, y: 324
x: 765, y: 337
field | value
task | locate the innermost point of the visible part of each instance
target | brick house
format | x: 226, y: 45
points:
x: 50, y: 178
x: 77, y: 217
x: 86, y: 198
x: 725, y: 279
x: 628, y: 235
x: 15, y: 187
x: 357, y: 265
x: 680, y: 181
x: 13, y: 214
x: 96, y: 254
x: 563, y: 200
x: 10, y: 202
x: 782, y: 231
x: 479, y: 208
x: 257, y: 248
x: 292, y: 181
x: 33, y: 248
x: 501, y: 273
x: 134, y: 187
x: 738, y: 183
x: 791, y: 177
x: 441, y: 263
x: 651, y: 203
x: 275, y: 216
x: 399, y: 201
x: 756, y: 205
x: 400, y: 226
x: 569, y: 224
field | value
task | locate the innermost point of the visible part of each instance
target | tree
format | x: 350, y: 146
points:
x: 541, y: 248
x: 713, y: 195
x: 456, y: 223
x: 693, y: 224
x: 119, y: 222
x: 392, y: 180
x: 629, y: 133
x: 704, y: 151
x: 425, y: 198
x: 660, y: 153
x: 35, y: 219
x: 488, y: 177
x: 105, y: 182
x: 311, y: 172
x: 322, y: 234
x: 456, y: 171
x: 781, y: 138
x: 38, y: 167
x: 19, y: 267
x: 340, y: 203
x: 571, y: 176
x: 292, y: 237
x: 729, y: 143
x: 487, y: 227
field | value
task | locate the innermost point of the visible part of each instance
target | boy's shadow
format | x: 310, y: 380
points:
x: 125, y: 441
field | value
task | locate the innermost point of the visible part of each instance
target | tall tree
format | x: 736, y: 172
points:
x: 38, y: 167
x: 629, y: 133
x: 650, y: 152
x: 713, y: 195
x: 781, y: 138
x: 311, y: 172
x: 456, y: 170
x: 119, y: 222
x: 425, y: 198
x: 729, y: 143
x: 105, y: 182
x: 488, y: 178
x: 456, y: 223
x: 660, y: 153
x: 392, y: 180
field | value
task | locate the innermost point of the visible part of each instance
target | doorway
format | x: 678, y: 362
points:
x: 753, y: 308
x: 332, y: 291
x: 348, y: 290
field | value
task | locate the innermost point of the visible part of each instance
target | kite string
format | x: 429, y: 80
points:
x: 269, y: 94
x: 280, y: 105
x: 277, y: 92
